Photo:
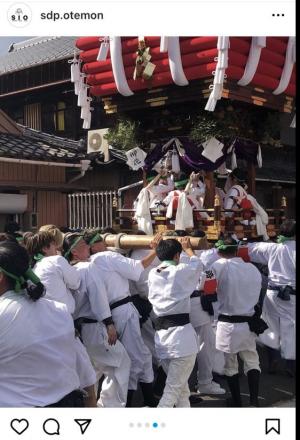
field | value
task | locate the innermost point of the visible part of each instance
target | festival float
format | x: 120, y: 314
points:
x: 140, y: 72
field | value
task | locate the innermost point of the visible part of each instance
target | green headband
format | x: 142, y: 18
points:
x: 150, y: 178
x: 77, y: 240
x: 38, y: 257
x: 20, y: 239
x: 282, y: 239
x: 221, y: 246
x: 180, y: 183
x: 97, y: 237
x: 20, y: 280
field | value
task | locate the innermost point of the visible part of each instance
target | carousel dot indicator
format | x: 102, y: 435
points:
x: 147, y: 425
x: 155, y: 425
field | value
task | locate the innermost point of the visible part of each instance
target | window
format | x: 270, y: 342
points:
x: 60, y: 116
x: 54, y: 117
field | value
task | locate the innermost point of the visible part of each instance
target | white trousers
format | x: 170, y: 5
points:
x: 111, y: 361
x: 205, y: 356
x: 129, y: 332
x: 148, y: 334
x: 249, y: 357
x: 177, y: 390
x: 281, y: 319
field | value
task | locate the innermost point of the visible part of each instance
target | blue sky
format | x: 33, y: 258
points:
x: 5, y: 42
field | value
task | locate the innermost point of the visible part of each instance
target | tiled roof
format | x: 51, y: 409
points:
x: 35, y: 145
x: 37, y: 51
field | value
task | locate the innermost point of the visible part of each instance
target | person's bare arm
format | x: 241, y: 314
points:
x: 152, y: 254
x: 186, y: 246
x: 189, y: 184
x: 153, y: 182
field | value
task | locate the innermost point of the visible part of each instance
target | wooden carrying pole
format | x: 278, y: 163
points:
x: 124, y: 241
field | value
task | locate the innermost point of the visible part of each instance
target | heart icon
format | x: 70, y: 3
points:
x: 19, y: 425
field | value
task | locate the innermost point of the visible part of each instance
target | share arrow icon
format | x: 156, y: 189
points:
x: 83, y: 424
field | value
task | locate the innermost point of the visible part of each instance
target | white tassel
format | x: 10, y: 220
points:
x: 75, y: 72
x: 233, y: 160
x: 287, y: 68
x: 180, y: 149
x: 223, y: 43
x: 85, y: 110
x: 78, y: 85
x: 259, y: 157
x: 219, y: 74
x: 163, y: 44
x: 293, y: 123
x: 82, y: 96
x: 103, y: 49
x: 175, y: 62
x: 118, y: 67
x: 87, y: 122
x: 76, y: 88
x: 175, y: 162
x: 257, y: 44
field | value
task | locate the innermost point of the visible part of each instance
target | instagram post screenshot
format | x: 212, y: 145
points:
x: 148, y: 220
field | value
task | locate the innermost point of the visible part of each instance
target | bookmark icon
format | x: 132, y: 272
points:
x: 83, y: 424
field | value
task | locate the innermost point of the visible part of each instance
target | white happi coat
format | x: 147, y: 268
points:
x: 198, y: 316
x: 236, y: 191
x: 279, y: 314
x: 38, y: 352
x: 91, y: 302
x: 196, y: 194
x: 59, y: 278
x: 110, y: 360
x: 169, y: 293
x: 116, y: 271
x: 238, y: 290
x: 140, y: 287
x: 158, y: 192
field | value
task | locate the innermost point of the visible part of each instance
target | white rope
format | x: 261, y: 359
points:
x: 175, y: 62
x: 118, y: 67
x: 103, y: 49
x: 163, y: 44
x: 219, y: 74
x: 257, y: 44
x: 286, y: 74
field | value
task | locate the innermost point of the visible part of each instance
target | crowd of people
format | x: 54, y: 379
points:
x: 85, y: 325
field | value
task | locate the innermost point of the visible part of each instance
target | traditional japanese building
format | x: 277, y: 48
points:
x: 236, y: 77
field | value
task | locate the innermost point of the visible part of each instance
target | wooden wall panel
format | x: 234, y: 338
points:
x: 10, y: 172
x: 52, y: 208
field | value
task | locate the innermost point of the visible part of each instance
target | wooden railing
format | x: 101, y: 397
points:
x: 219, y: 220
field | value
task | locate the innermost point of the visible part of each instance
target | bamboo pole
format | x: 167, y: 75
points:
x: 124, y: 241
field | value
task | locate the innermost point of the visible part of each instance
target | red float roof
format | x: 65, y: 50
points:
x: 269, y: 63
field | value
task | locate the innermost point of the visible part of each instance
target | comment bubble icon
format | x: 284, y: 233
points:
x: 51, y: 427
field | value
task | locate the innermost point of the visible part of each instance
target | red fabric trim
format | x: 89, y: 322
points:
x: 243, y: 252
x: 210, y: 287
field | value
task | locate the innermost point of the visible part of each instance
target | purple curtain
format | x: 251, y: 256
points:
x: 193, y: 160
